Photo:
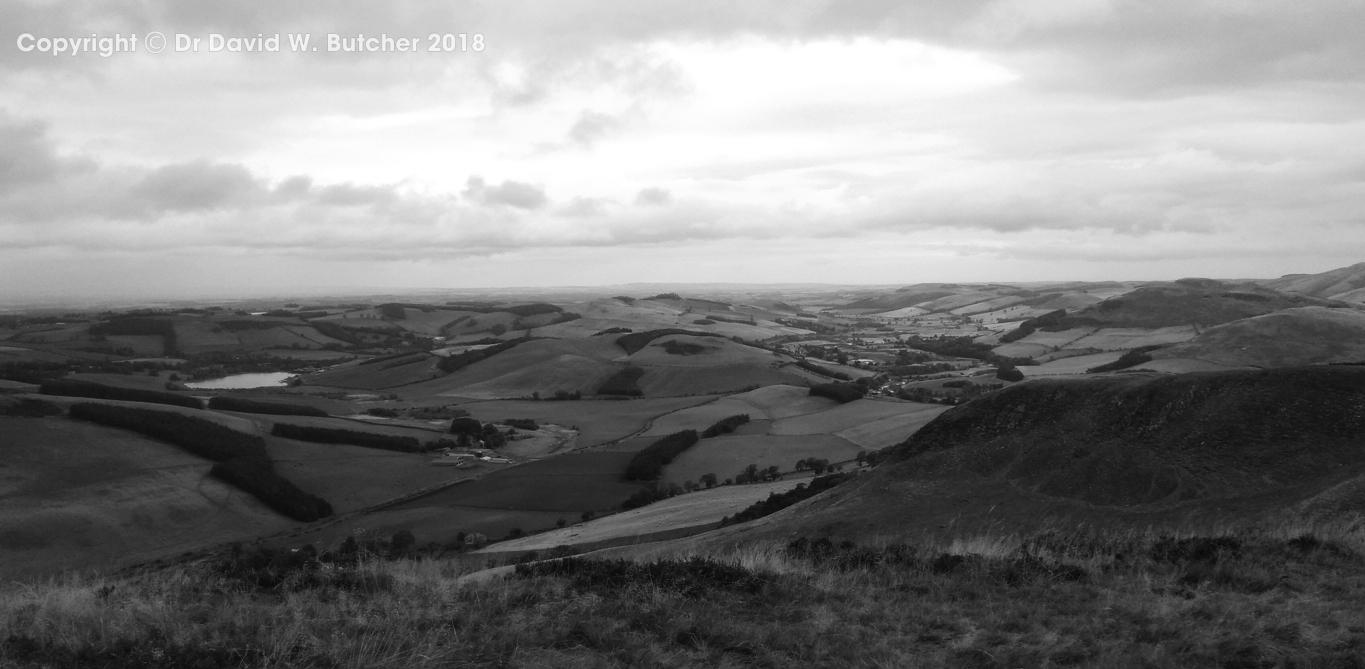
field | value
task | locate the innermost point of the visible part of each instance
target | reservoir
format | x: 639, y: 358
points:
x: 262, y: 380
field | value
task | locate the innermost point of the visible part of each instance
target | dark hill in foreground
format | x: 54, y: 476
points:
x: 1124, y: 449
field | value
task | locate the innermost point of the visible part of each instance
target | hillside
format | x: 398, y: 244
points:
x: 1116, y: 450
x: 1187, y: 302
x: 1345, y: 283
x: 1293, y: 337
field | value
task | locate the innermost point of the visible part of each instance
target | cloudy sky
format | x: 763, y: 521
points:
x: 593, y: 142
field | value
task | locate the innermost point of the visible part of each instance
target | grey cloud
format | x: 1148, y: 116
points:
x: 585, y: 207
x: 653, y: 197
x: 508, y: 193
x: 25, y: 154
x: 196, y: 185
x: 592, y: 126
x: 347, y: 195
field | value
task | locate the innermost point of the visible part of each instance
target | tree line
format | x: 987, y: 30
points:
x: 72, y: 388
x: 239, y: 459
x: 332, y: 435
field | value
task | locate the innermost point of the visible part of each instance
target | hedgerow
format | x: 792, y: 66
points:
x: 332, y: 435
x: 72, y: 388
x: 240, y: 458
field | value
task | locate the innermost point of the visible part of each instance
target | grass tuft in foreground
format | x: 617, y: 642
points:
x: 1285, y: 597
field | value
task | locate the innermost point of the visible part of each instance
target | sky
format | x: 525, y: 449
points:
x: 596, y: 143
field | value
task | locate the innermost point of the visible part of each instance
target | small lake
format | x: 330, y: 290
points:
x: 242, y: 381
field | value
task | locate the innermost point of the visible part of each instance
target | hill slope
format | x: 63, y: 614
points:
x: 1187, y: 302
x: 1293, y: 337
x: 1121, y: 449
x: 1342, y: 284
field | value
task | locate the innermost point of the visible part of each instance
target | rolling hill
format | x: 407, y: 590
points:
x: 1121, y: 450
x: 1345, y: 283
x: 1293, y: 337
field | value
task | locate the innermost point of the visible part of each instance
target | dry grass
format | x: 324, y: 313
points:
x: 1287, y: 595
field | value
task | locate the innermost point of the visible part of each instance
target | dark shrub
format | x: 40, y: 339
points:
x: 1131, y: 358
x: 623, y: 382
x: 821, y: 370
x: 469, y: 426
x: 778, y: 501
x: 725, y: 425
x: 459, y: 361
x: 839, y: 392
x: 649, y: 462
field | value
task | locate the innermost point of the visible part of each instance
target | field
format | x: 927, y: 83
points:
x: 701, y: 417
x: 570, y: 483
x: 379, y: 375
x: 1071, y: 365
x: 846, y: 416
x: 353, y: 477
x: 598, y: 421
x: 785, y: 401
x: 690, y: 512
x: 727, y: 456
x: 74, y: 495
x: 891, y: 430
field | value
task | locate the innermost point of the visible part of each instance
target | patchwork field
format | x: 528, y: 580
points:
x: 727, y: 456
x: 74, y: 495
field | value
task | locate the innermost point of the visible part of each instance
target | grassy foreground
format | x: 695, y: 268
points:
x: 1281, y: 597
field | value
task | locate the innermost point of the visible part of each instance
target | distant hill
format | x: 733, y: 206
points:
x: 1293, y: 337
x: 1346, y: 283
x: 1125, y: 449
x: 1188, y: 302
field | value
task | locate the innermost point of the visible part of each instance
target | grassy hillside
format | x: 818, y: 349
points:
x: 1342, y: 283
x: 78, y: 495
x: 1309, y: 335
x: 1284, y: 596
x: 1186, y: 302
x: 1116, y: 450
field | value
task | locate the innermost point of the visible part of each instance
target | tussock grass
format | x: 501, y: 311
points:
x: 1289, y: 594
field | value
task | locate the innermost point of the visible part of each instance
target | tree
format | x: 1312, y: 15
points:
x: 401, y: 541
x: 708, y: 480
x: 691, y: 486
x: 1008, y: 372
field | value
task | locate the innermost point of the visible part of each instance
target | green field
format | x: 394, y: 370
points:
x: 75, y: 495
